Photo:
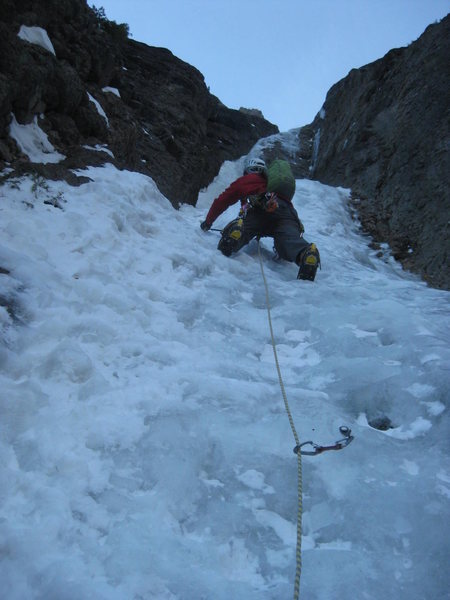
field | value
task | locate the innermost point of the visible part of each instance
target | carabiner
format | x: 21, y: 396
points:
x: 345, y: 431
x: 297, y: 449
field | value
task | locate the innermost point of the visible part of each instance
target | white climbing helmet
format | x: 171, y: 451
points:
x: 254, y: 165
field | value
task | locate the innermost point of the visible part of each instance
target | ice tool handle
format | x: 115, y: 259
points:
x: 345, y: 441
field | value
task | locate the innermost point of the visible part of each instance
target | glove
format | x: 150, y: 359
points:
x: 205, y: 226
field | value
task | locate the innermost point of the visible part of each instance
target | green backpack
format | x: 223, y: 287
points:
x: 280, y: 179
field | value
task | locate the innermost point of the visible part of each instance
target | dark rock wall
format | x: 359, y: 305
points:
x: 165, y: 122
x: 384, y: 133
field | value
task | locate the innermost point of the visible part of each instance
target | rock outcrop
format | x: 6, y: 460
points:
x: 384, y: 132
x: 95, y: 92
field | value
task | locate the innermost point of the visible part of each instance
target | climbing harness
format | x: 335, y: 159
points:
x: 267, y: 202
x: 271, y: 202
x: 345, y: 431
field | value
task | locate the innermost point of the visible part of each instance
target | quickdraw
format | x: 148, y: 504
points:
x: 345, y: 441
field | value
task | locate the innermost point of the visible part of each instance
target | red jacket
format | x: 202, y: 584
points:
x: 245, y: 186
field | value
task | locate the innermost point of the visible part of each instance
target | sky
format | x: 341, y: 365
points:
x: 145, y: 450
x: 279, y: 56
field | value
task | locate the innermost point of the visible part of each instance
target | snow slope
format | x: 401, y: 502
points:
x: 145, y: 450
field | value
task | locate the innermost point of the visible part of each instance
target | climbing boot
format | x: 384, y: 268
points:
x: 308, y: 263
x: 231, y: 237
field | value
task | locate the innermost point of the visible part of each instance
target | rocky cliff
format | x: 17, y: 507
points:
x: 384, y: 132
x: 95, y: 92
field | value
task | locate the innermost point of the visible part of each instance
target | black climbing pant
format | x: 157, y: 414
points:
x: 283, y: 225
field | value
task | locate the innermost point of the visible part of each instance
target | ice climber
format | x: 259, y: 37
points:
x: 266, y: 211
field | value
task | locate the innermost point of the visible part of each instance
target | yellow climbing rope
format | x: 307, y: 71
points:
x: 298, y: 569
